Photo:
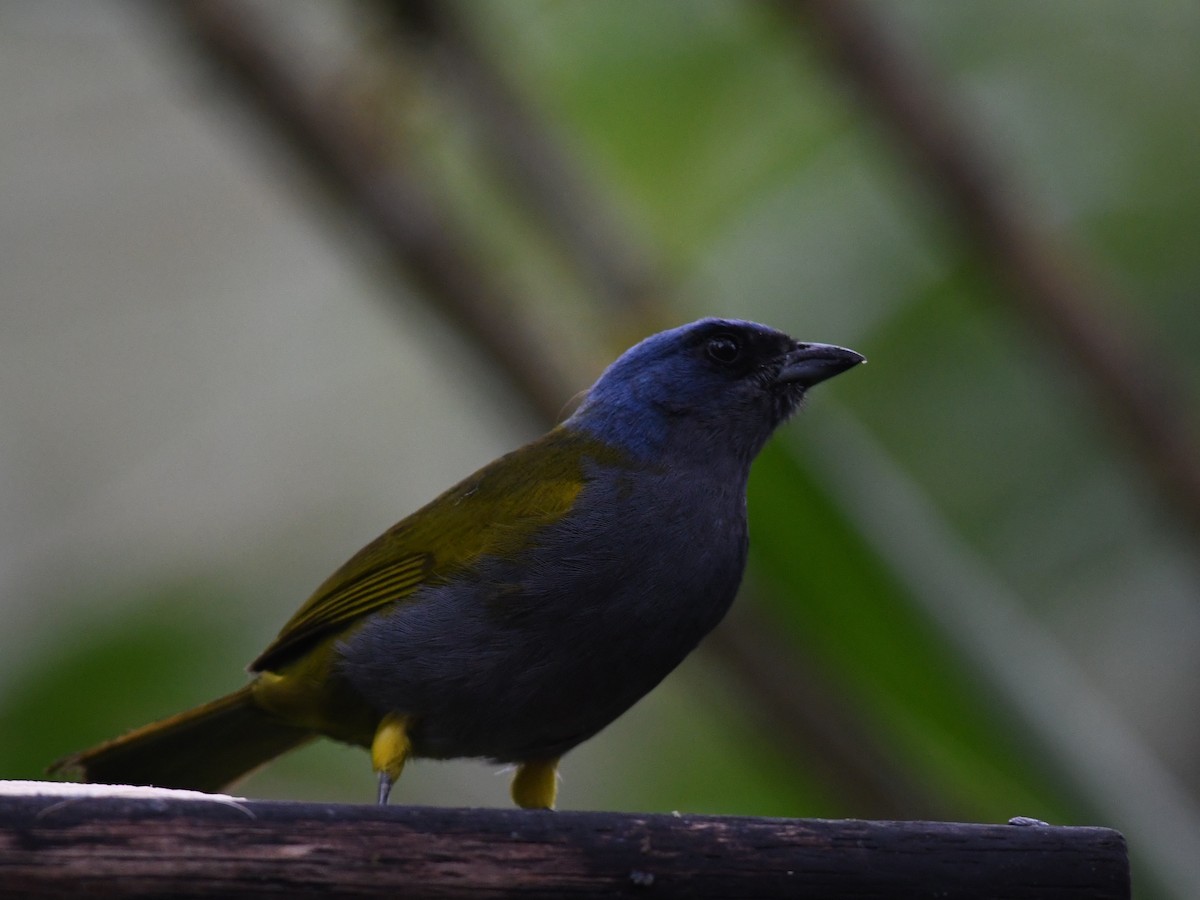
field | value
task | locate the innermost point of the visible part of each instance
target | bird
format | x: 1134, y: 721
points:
x: 524, y: 609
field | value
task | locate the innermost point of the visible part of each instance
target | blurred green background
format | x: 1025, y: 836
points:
x: 969, y: 597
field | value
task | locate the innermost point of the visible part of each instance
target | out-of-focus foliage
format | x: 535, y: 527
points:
x: 202, y: 374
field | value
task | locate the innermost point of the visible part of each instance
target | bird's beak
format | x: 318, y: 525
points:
x: 809, y: 364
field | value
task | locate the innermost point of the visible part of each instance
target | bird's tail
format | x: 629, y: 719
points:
x: 203, y: 749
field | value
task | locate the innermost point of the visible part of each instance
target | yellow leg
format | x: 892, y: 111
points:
x: 389, y: 751
x: 535, y: 786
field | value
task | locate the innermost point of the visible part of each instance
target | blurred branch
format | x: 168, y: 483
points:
x: 1129, y: 380
x: 342, y: 151
x: 791, y: 699
x: 347, y: 158
x: 541, y: 174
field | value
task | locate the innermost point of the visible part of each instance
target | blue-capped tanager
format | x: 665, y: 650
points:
x: 529, y: 606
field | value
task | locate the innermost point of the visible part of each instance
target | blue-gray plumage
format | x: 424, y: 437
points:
x: 527, y: 607
x: 525, y: 658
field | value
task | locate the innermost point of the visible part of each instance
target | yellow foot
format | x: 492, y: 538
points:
x: 535, y: 786
x: 389, y: 751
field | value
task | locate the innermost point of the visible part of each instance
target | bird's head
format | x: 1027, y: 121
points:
x: 716, y: 386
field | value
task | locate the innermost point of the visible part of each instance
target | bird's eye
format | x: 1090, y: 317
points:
x: 724, y: 348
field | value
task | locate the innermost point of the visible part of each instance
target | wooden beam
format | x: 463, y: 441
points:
x: 169, y: 843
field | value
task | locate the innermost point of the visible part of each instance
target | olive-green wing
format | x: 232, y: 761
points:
x: 369, y: 581
x: 493, y: 512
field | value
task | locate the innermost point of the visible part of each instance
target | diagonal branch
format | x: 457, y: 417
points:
x: 348, y: 160
x: 520, y: 147
x: 343, y: 154
x: 792, y: 700
x: 1129, y: 380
